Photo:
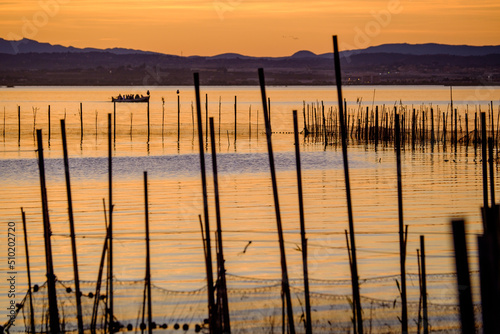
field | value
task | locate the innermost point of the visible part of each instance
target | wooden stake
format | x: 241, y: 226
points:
x: 235, y: 119
x: 51, y: 278
x: 28, y: 271
x: 355, y: 282
x: 487, y: 274
x: 114, y: 122
x: 219, y: 117
x: 222, y: 299
x: 250, y: 123
x: 432, y: 127
x: 97, y: 294
x: 206, y: 119
x: 178, y: 117
x: 81, y: 122
x: 402, y: 241
x: 149, y: 130
x: 354, y: 312
x: 48, y: 121
x: 284, y: 270
x: 463, y: 279
x: 79, y: 314
x: 302, y: 223
x: 18, y: 125
x: 162, y: 117
x: 109, y: 299
x: 484, y: 157
x: 210, y: 279
x: 424, y: 286
x: 492, y: 169
x: 148, y: 256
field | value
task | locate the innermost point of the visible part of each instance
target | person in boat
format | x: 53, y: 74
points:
x: 120, y: 96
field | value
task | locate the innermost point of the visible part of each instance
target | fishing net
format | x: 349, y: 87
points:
x: 256, y: 306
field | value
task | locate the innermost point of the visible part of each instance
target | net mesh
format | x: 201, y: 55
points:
x: 256, y: 306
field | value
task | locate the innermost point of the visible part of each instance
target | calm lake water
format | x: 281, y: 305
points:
x: 438, y: 185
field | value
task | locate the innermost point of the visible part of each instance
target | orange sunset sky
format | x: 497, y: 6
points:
x: 250, y: 27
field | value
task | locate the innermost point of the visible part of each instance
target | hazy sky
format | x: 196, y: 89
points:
x: 250, y: 27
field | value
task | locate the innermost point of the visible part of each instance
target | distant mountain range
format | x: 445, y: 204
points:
x: 31, y: 46
x: 28, y: 62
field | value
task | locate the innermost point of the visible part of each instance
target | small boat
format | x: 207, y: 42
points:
x: 130, y: 98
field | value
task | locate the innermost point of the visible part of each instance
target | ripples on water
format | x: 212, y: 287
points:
x: 437, y: 186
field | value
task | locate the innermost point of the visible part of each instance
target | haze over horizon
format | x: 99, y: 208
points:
x: 249, y: 27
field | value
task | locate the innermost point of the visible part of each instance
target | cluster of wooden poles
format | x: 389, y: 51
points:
x: 488, y: 246
x: 218, y: 306
x: 418, y: 127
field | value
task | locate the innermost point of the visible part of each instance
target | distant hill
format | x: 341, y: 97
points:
x: 432, y: 49
x: 30, y: 46
x: 30, y: 63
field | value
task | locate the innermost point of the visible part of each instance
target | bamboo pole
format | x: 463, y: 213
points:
x: 367, y: 125
x: 51, y: 278
x: 178, y: 117
x: 210, y: 280
x: 95, y: 308
x: 48, y: 122
x: 149, y: 127
x: 463, y: 279
x: 109, y: 300
x: 432, y: 127
x: 219, y: 118
x: 492, y: 169
x: 79, y: 314
x: 235, y: 119
x: 424, y: 286
x: 269, y: 109
x: 355, y: 282
x: 114, y: 121
x: 466, y: 129
x: 18, y: 125
x: 419, y: 317
x: 250, y: 123
x: 81, y: 121
x: 354, y: 311
x: 492, y: 121
x: 222, y: 299
x: 402, y: 241
x: 162, y: 117
x: 484, y: 160
x: 486, y: 274
x: 148, y: 256
x: 324, y: 123
x: 302, y: 223
x: 444, y: 130
x: 284, y: 270
x: 28, y: 271
x: 206, y: 119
